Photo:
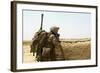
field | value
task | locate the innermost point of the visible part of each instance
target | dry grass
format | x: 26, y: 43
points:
x: 74, y: 49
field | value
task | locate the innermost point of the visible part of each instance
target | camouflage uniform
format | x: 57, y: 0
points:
x: 52, y: 44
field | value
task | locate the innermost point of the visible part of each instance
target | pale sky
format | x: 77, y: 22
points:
x: 72, y: 25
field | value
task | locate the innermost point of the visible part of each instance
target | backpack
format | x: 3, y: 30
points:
x: 38, y: 41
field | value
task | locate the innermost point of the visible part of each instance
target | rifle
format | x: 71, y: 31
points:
x: 62, y: 52
x: 41, y: 21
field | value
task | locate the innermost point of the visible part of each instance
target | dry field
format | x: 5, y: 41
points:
x: 74, y: 49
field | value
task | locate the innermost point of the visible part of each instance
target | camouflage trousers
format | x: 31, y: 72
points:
x: 47, y: 54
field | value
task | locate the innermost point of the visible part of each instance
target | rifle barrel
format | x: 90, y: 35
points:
x: 41, y: 21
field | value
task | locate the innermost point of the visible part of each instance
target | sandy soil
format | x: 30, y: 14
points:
x: 72, y: 51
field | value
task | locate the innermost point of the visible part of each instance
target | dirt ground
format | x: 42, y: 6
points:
x: 73, y: 50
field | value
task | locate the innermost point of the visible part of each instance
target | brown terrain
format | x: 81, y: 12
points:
x: 74, y: 49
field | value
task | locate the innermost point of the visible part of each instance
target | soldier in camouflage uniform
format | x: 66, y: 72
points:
x: 53, y: 43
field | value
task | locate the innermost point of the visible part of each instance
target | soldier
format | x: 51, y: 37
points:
x: 45, y: 44
x: 53, y: 43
